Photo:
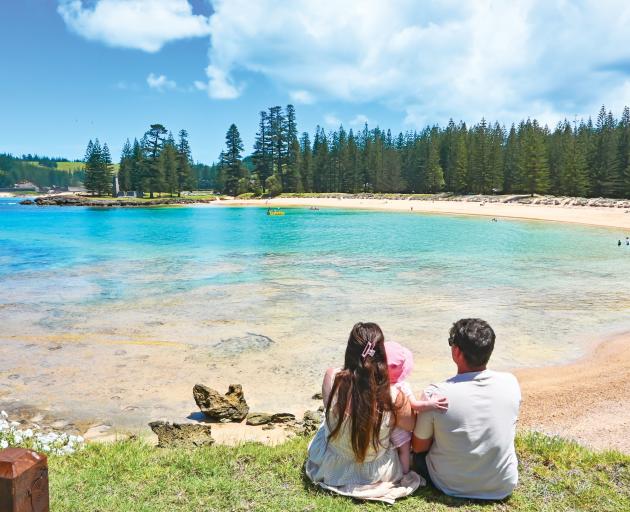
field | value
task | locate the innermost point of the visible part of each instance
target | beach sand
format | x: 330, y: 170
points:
x: 588, y: 400
x: 588, y: 215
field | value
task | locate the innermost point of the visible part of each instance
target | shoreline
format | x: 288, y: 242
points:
x: 608, y: 213
x: 585, y: 400
x: 583, y: 215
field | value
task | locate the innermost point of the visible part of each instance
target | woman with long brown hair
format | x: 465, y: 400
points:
x: 351, y: 453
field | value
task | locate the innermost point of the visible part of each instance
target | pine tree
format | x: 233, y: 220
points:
x: 185, y: 179
x: 124, y: 169
x: 153, y: 145
x: 511, y: 162
x: 460, y: 166
x: 573, y: 172
x: 605, y: 169
x: 91, y: 168
x: 292, y: 181
x: 623, y: 158
x: 106, y: 172
x: 434, y: 177
x: 137, y: 170
x: 232, y: 162
x: 306, y: 163
x: 534, y: 167
x: 168, y: 163
x: 263, y: 166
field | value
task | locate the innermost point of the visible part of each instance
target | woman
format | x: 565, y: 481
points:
x: 351, y: 453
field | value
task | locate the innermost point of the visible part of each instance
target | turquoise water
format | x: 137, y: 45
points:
x: 201, y: 276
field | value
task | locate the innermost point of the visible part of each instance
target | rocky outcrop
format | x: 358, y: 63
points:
x: 182, y: 435
x: 258, y: 418
x: 229, y: 407
x: 26, y: 201
x: 311, y: 422
x: 283, y: 417
x: 69, y: 200
x: 238, y: 344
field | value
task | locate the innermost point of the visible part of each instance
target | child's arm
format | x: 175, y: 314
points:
x: 431, y: 403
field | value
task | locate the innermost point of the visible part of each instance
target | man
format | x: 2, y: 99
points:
x: 468, y: 451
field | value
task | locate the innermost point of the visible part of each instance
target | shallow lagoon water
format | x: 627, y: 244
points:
x: 134, y: 306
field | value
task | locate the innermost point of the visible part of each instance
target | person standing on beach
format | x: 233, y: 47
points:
x: 468, y: 450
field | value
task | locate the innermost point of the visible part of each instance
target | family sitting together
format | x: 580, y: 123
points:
x: 379, y: 442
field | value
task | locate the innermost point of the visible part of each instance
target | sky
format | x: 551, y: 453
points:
x: 74, y: 70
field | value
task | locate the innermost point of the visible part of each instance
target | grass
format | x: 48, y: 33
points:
x: 70, y: 166
x: 131, y: 476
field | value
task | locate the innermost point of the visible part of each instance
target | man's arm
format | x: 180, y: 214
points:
x: 423, y: 432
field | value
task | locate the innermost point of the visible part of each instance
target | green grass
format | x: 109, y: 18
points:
x: 70, y: 166
x: 131, y: 476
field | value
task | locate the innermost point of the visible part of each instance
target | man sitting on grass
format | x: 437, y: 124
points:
x: 468, y: 451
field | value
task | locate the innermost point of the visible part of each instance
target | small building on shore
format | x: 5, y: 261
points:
x: 25, y: 186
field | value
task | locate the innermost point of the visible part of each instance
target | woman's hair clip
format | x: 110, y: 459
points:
x: 368, y: 350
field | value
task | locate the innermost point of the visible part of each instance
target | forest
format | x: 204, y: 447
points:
x: 575, y: 159
x: 582, y: 158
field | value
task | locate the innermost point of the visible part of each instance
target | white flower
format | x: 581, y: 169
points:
x: 4, y: 443
x: 4, y: 414
x: 27, y: 434
x: 45, y: 448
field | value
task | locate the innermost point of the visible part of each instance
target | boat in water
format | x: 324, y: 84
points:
x: 275, y: 211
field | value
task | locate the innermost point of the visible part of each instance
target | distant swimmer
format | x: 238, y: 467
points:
x: 627, y: 241
x: 494, y: 220
x: 618, y: 243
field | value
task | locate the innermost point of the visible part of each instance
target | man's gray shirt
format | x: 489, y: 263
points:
x: 473, y: 454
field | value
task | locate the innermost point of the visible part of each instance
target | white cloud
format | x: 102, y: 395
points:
x: 302, y: 97
x: 332, y: 120
x: 160, y: 83
x: 359, y: 120
x: 220, y: 85
x: 200, y: 86
x: 140, y: 24
x: 440, y: 58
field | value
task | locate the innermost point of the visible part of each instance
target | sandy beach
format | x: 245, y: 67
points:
x: 587, y: 215
x: 588, y: 400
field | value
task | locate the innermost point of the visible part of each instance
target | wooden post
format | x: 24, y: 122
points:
x: 23, y: 481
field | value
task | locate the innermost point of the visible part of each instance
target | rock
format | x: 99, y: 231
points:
x: 317, y: 396
x: 239, y: 344
x: 269, y: 426
x: 26, y: 201
x: 283, y: 417
x: 182, y: 435
x: 311, y: 421
x: 231, y: 406
x: 258, y: 418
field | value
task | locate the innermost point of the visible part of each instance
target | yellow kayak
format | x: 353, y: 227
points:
x: 274, y: 212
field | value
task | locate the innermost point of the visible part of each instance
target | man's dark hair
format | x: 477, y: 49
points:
x: 475, y: 338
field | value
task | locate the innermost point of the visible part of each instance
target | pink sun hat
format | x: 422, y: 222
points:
x: 397, y: 355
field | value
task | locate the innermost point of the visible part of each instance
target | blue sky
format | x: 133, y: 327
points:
x: 74, y: 70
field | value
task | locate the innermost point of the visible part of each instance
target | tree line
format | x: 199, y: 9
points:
x: 576, y: 159
x: 38, y: 170
x: 156, y: 163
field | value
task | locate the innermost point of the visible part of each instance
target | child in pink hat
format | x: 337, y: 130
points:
x: 400, y: 364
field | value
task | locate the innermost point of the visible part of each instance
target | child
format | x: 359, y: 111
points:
x: 400, y: 364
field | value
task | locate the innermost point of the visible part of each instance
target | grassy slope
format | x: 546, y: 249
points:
x: 131, y: 476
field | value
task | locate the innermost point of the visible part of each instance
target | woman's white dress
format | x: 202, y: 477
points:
x: 332, y: 465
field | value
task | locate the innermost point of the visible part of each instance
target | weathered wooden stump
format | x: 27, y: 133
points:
x: 23, y: 481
